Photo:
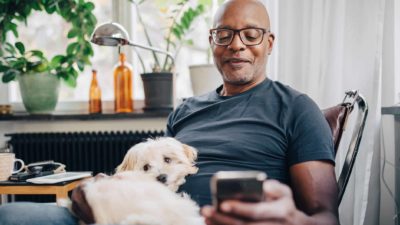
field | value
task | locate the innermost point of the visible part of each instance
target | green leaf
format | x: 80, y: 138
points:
x: 72, y: 48
x: 176, y: 32
x: 185, y: 21
x: 13, y: 28
x: 10, y: 75
x: 89, y: 6
x: 3, y: 68
x: 36, y: 6
x: 19, y: 64
x: 51, y: 8
x: 37, y: 53
x: 88, y: 49
x: 200, y: 8
x: 31, y: 65
x: 41, y: 67
x: 57, y: 60
x: 92, y: 19
x: 70, y: 80
x: 73, y: 72
x: 81, y: 65
x: 20, y: 47
x: 73, y: 33
x: 189, y: 42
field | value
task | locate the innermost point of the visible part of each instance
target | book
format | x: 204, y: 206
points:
x: 59, y: 177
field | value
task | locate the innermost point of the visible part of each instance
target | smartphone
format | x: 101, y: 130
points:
x: 239, y: 185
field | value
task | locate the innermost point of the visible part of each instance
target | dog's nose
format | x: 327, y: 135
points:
x: 162, y: 178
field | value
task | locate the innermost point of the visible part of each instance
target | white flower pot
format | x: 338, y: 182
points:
x: 204, y: 78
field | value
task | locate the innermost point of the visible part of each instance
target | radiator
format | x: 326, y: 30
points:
x: 79, y: 151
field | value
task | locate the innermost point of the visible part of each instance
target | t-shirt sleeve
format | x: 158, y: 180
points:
x: 309, y: 134
x: 169, y: 132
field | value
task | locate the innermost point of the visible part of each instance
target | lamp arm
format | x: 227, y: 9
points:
x: 168, y: 54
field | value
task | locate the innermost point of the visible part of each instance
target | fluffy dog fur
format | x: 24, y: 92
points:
x: 166, y: 159
x: 142, y: 192
x: 136, y: 198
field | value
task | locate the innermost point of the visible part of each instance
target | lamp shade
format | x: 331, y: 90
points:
x: 110, y: 34
x: 114, y: 34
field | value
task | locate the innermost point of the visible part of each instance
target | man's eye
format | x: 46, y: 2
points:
x: 223, y: 38
x: 146, y: 167
x: 223, y: 35
x: 248, y: 37
x: 167, y: 160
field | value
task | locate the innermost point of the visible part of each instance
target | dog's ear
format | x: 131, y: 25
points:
x: 190, y: 152
x: 128, y: 163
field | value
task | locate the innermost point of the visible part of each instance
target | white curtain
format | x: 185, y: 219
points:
x: 326, y: 47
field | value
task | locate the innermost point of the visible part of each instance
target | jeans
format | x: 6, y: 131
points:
x: 35, y: 214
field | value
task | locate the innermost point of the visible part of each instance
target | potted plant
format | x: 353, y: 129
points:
x: 158, y: 84
x: 205, y: 77
x: 37, y: 75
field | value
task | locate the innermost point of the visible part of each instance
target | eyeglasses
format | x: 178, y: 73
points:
x: 248, y: 36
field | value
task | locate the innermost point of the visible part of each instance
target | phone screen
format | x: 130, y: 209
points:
x: 239, y: 185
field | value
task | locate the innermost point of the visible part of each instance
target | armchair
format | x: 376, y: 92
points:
x: 337, y: 117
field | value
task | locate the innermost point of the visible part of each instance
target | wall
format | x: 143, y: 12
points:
x: 3, y: 93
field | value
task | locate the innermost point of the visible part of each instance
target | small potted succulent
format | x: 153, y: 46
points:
x: 37, y: 75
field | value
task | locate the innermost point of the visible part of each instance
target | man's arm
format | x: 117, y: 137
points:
x: 315, y: 191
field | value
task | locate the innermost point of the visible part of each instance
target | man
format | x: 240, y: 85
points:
x: 253, y: 123
x: 249, y: 123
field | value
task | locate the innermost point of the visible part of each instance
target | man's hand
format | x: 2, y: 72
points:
x: 278, y: 208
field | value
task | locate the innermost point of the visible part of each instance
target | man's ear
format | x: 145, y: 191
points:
x: 129, y: 161
x: 190, y: 152
x: 271, y: 39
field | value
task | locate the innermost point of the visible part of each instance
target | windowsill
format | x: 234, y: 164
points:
x: 71, y: 116
x: 80, y: 114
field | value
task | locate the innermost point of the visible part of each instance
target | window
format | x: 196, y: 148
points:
x: 45, y: 36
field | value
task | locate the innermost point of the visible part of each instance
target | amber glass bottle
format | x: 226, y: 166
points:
x: 94, y: 95
x: 123, y: 86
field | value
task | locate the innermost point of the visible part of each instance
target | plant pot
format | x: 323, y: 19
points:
x: 158, y: 91
x: 39, y: 92
x: 204, y: 78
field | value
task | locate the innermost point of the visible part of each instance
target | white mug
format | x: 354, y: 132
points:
x: 7, y: 161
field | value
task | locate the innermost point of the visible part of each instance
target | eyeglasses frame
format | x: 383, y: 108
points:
x: 237, y: 31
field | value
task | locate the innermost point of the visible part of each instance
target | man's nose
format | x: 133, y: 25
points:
x: 236, y: 44
x: 162, y: 178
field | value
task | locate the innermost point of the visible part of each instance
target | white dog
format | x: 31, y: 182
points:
x: 166, y: 159
x: 137, y: 199
x: 142, y: 192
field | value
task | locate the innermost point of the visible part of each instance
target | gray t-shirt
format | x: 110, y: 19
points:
x: 268, y: 128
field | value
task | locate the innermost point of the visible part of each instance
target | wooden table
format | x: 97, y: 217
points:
x: 23, y: 188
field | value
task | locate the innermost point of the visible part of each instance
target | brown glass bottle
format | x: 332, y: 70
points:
x: 123, y: 86
x: 94, y: 95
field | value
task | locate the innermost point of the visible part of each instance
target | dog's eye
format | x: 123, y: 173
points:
x: 146, y: 167
x: 167, y: 160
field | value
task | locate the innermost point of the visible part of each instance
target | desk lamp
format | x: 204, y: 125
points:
x: 114, y: 34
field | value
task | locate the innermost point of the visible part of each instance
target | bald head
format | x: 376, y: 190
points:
x: 250, y: 7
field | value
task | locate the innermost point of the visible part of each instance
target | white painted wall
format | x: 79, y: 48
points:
x: 3, y: 93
